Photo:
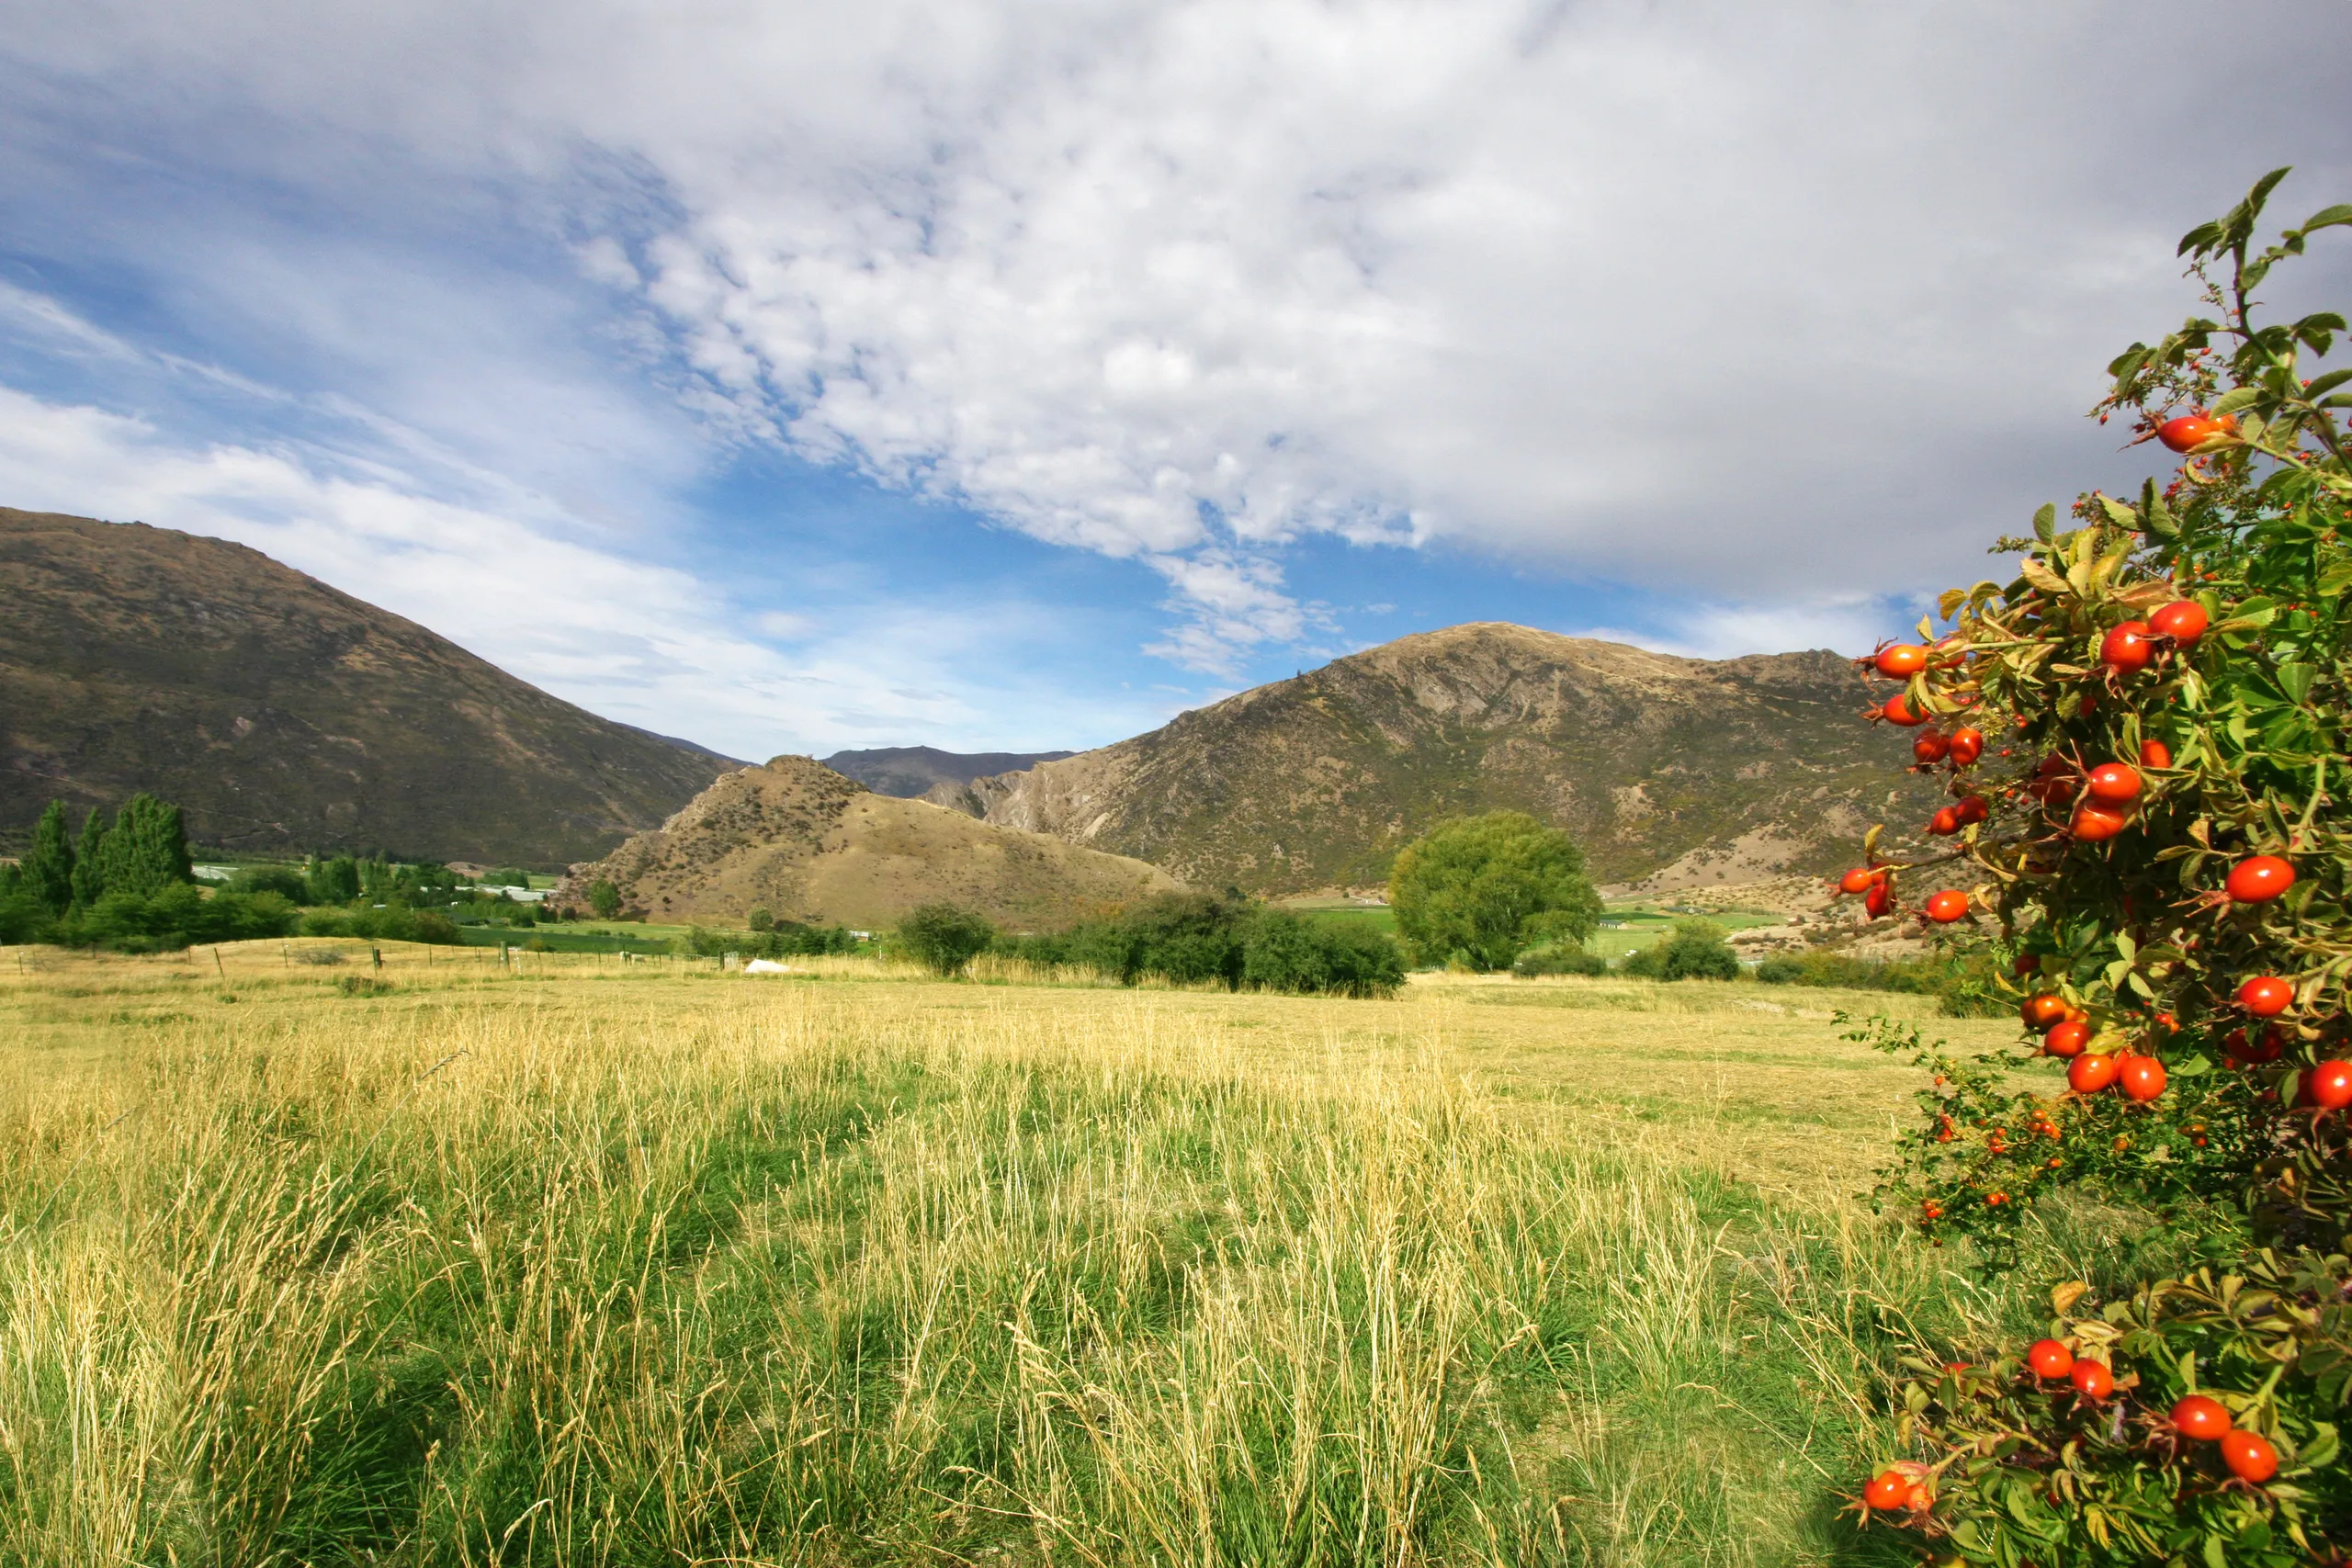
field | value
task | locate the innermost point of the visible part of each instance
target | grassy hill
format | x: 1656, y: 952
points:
x: 287, y: 716
x: 802, y: 842
x: 1682, y: 770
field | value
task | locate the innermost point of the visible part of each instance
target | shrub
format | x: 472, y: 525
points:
x: 603, y: 899
x: 1694, y: 950
x: 944, y: 937
x: 1781, y: 970
x: 1487, y: 888
x: 1558, y: 959
x: 283, y: 881
x: 1283, y: 952
x: 2172, y: 676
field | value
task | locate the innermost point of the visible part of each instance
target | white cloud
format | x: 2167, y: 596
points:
x: 1762, y: 302
x: 633, y: 641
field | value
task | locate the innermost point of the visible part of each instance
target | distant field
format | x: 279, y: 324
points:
x: 574, y: 1259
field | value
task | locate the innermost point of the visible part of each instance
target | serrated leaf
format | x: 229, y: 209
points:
x: 2119, y: 514
x: 2327, y: 383
x: 2295, y: 680
x: 2235, y: 398
x: 2045, y: 522
x: 2327, y: 218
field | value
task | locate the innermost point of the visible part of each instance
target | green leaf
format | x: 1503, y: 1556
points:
x: 2217, y: 1554
x: 2327, y: 383
x: 2295, y: 680
x: 2327, y: 218
x: 2320, y: 1448
x: 2119, y: 514
x: 2045, y: 523
x: 2236, y: 399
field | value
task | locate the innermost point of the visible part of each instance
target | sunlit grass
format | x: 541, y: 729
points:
x: 573, y: 1261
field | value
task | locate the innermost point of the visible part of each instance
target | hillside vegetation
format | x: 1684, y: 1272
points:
x: 286, y: 717
x: 1706, y: 771
x: 799, y: 840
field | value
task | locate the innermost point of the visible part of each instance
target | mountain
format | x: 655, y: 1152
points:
x: 1681, y: 770
x: 806, y: 843
x: 286, y: 717
x: 913, y: 771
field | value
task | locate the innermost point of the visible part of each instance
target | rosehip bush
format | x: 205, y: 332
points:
x: 2162, y: 693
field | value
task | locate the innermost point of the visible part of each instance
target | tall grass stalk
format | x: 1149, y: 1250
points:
x: 839, y: 1275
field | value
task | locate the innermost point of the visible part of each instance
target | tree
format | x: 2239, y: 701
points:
x: 944, y: 937
x: 89, y: 860
x: 49, y: 865
x: 335, y: 881
x: 604, y: 899
x: 2168, y: 859
x: 1485, y: 888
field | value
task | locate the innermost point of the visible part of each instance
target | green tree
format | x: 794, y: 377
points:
x: 944, y: 937
x: 1487, y: 888
x: 604, y: 899
x: 49, y: 865
x: 146, y: 850
x: 89, y: 860
x: 335, y: 881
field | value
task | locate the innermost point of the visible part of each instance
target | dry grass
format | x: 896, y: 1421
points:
x: 586, y: 1262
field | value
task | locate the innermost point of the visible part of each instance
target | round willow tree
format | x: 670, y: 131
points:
x: 2144, y: 738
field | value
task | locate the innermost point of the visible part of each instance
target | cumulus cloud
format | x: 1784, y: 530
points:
x: 1764, y: 303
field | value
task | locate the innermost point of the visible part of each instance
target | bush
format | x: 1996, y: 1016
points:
x: 284, y: 881
x: 2190, y: 649
x: 1694, y: 950
x: 783, y: 939
x: 944, y: 937
x: 1190, y: 938
x: 1283, y: 952
x: 603, y: 899
x: 391, y: 924
x: 178, y: 917
x: 1487, y: 888
x: 1559, y: 960
x: 1781, y: 970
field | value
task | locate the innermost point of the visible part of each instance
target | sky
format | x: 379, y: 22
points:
x: 792, y: 376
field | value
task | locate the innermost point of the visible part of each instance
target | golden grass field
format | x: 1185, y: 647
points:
x: 578, y: 1261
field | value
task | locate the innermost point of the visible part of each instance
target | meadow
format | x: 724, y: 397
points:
x: 569, y: 1259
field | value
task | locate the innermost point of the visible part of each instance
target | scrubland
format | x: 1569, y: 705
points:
x: 586, y: 1262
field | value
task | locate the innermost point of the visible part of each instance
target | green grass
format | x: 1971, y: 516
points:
x: 579, y: 1264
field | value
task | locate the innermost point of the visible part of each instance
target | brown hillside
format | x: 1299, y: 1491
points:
x: 287, y: 716
x: 804, y: 843
x: 1689, y: 770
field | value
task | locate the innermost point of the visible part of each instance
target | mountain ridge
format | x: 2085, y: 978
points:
x: 910, y: 771
x: 1663, y: 768
x: 286, y: 716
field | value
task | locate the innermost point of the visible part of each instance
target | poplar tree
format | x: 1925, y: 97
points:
x: 89, y: 860
x: 48, y: 867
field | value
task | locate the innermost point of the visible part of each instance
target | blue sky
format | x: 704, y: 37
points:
x: 790, y: 378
